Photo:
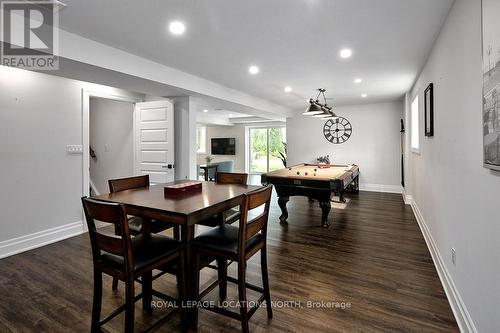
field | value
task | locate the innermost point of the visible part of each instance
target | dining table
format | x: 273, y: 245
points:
x: 186, y: 210
x: 206, y: 168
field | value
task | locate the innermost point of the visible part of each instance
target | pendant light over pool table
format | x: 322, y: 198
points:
x: 318, y: 110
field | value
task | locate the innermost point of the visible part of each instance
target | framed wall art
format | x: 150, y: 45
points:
x: 491, y: 83
x: 429, y: 110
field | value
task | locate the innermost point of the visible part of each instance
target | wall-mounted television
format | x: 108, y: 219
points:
x: 223, y: 146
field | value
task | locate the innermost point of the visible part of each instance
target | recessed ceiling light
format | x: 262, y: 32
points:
x: 345, y: 53
x: 177, y: 27
x: 205, y: 110
x: 364, y: 95
x: 358, y: 81
x: 253, y: 70
x: 230, y: 115
x: 288, y: 89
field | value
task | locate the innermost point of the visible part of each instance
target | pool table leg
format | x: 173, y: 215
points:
x: 325, y: 210
x: 284, y: 212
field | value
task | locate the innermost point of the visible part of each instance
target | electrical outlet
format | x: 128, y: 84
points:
x: 74, y: 149
x: 453, y: 256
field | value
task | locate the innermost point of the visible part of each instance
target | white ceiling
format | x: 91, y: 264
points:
x: 294, y: 42
x: 220, y: 112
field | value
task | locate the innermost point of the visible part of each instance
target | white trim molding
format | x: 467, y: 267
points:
x: 406, y: 197
x: 381, y: 188
x: 462, y: 315
x: 37, y: 239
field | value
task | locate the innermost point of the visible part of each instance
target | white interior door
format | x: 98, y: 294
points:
x: 154, y: 140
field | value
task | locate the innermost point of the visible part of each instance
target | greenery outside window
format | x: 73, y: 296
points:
x: 267, y: 147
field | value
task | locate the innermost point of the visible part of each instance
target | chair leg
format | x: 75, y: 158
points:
x: 265, y: 281
x: 181, y: 290
x: 222, y: 272
x: 195, y: 261
x: 115, y: 284
x: 129, y: 306
x: 177, y: 233
x: 147, y: 287
x: 97, y: 301
x: 242, y: 293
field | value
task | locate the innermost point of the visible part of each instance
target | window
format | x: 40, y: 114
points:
x: 415, y: 129
x: 201, y: 139
x: 267, y: 149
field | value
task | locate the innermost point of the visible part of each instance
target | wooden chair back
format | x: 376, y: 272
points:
x: 122, y: 184
x: 249, y: 228
x: 111, y: 213
x: 231, y: 178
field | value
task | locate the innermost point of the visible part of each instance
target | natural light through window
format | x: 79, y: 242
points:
x: 415, y: 129
x: 201, y: 139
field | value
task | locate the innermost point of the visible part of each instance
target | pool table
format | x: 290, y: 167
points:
x: 314, y: 181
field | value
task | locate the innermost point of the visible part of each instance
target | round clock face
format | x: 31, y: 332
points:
x: 337, y: 130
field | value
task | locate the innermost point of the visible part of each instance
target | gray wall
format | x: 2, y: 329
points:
x: 237, y: 132
x: 111, y: 137
x: 41, y: 184
x: 459, y: 199
x: 374, y: 144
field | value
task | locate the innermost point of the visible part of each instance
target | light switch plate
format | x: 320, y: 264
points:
x: 74, y: 149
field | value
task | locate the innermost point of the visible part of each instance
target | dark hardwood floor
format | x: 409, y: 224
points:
x: 372, y: 261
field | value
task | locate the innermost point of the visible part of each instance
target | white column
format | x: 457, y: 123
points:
x: 185, y: 137
x: 408, y: 163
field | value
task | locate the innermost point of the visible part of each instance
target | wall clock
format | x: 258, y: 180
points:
x: 337, y: 130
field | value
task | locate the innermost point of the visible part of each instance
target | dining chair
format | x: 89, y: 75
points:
x: 135, y: 222
x: 127, y: 258
x: 238, y: 244
x: 231, y: 215
x: 231, y: 178
x: 228, y: 217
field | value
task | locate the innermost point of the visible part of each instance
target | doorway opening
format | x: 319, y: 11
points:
x: 111, y: 142
x: 149, y: 125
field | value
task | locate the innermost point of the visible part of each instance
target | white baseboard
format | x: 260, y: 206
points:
x: 24, y: 243
x: 381, y: 188
x: 462, y: 315
x: 406, y: 197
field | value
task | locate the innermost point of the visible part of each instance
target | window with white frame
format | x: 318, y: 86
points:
x: 201, y: 139
x: 415, y: 128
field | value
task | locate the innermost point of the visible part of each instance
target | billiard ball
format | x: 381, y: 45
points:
x: 306, y: 173
x: 315, y: 173
x: 298, y: 172
x: 315, y: 170
x: 289, y: 168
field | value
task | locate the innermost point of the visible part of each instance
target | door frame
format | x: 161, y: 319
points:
x: 86, y: 95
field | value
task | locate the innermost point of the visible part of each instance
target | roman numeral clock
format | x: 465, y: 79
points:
x: 337, y: 130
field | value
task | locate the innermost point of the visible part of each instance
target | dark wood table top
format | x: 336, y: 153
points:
x: 152, y: 198
x: 209, y: 166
